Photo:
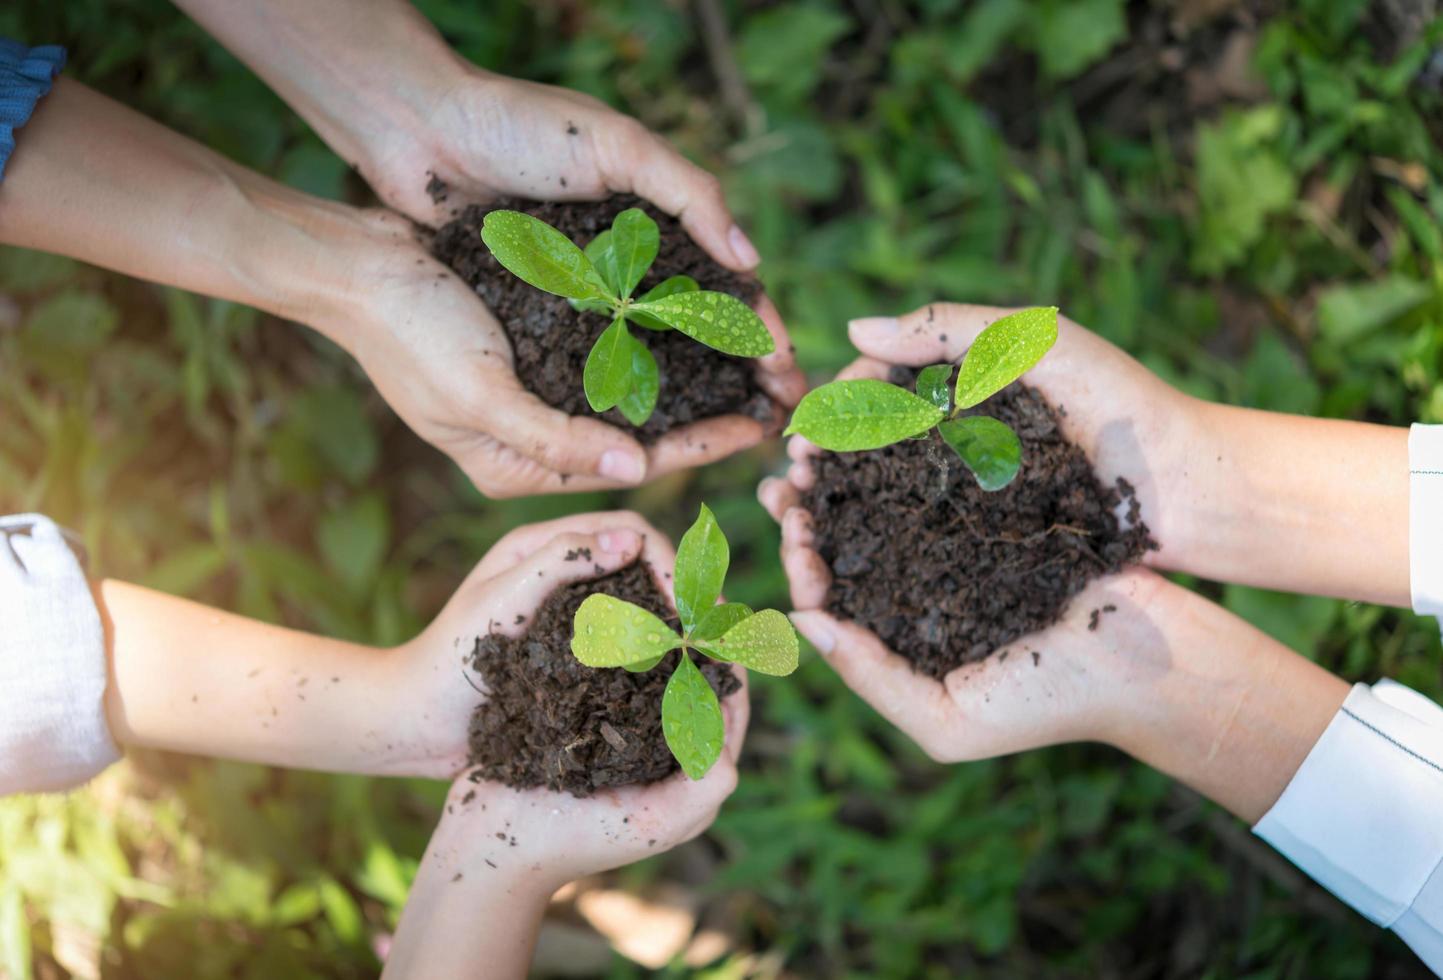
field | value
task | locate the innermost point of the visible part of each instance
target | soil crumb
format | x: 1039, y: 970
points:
x: 551, y: 340
x: 551, y: 722
x: 946, y: 573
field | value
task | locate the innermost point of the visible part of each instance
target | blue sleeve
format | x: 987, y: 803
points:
x: 25, y: 76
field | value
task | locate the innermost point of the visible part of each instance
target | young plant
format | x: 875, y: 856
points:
x: 620, y: 371
x: 847, y: 416
x: 608, y: 632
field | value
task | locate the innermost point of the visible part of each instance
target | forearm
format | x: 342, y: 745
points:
x: 1316, y: 506
x: 188, y: 678
x: 95, y: 181
x: 366, y: 74
x: 1221, y: 706
x: 469, y: 915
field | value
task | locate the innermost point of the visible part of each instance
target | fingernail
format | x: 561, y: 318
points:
x: 875, y: 326
x: 624, y: 467
x: 618, y: 542
x: 817, y: 630
x: 743, y: 248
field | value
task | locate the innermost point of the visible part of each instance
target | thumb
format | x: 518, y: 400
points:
x: 568, y: 444
x: 635, y: 159
x: 565, y: 559
x: 935, y: 333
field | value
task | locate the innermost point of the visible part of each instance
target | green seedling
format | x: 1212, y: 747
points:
x: 608, y: 632
x: 848, y: 416
x: 620, y: 371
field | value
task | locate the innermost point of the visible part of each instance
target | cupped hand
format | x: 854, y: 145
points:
x: 1068, y: 682
x: 444, y: 364
x: 501, y: 595
x: 565, y: 837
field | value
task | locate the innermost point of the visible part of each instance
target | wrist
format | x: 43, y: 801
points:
x: 1222, y: 706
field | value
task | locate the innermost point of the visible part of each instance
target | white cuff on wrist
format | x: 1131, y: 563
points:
x: 1425, y: 518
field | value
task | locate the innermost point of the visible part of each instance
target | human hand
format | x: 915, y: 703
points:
x: 510, y: 582
x: 444, y: 364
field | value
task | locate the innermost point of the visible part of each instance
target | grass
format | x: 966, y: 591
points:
x: 1270, y: 240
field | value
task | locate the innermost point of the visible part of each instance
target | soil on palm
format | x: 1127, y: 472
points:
x: 946, y: 573
x: 551, y: 340
x: 549, y: 721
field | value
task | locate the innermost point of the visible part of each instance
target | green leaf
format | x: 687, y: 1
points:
x: 353, y: 540
x: 667, y: 287
x: 718, y: 619
x: 1004, y: 352
x: 1349, y: 313
x: 634, y: 243
x: 702, y: 559
x: 608, y: 632
x: 720, y: 321
x: 642, y: 666
x: 765, y: 643
x: 640, y: 400
x: 846, y: 416
x: 537, y: 253
x: 691, y: 719
x: 607, y: 375
x: 1071, y: 35
x: 990, y: 449
x: 932, y: 385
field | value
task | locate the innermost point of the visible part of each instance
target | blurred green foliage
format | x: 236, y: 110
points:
x: 1268, y: 237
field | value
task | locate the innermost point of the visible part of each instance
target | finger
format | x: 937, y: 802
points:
x: 802, y: 452
x: 866, y: 367
x: 916, y: 704
x: 700, y: 443
x: 736, y: 713
x: 635, y: 159
x: 807, y: 572
x: 566, y: 558
x: 516, y: 545
x: 935, y: 333
x: 777, y: 495
x: 777, y: 372
x: 564, y: 444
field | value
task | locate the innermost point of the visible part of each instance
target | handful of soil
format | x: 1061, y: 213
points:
x: 549, y: 721
x: 551, y: 340
x: 945, y: 572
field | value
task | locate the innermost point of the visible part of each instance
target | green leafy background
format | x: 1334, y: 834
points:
x: 1269, y: 237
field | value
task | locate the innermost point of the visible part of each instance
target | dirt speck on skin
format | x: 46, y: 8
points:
x: 549, y: 721
x: 551, y: 340
x: 946, y: 573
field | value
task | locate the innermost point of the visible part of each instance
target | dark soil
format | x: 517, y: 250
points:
x: 549, y: 721
x: 946, y: 573
x: 551, y: 340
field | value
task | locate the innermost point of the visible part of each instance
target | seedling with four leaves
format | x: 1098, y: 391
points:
x: 849, y: 416
x: 620, y: 371
x: 609, y: 632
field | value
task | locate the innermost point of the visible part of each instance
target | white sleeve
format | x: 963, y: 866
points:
x: 1363, y: 815
x: 53, y: 732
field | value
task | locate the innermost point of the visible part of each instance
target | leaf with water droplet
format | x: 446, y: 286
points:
x: 640, y: 401
x: 1004, y: 352
x: 990, y: 449
x: 667, y: 287
x: 702, y: 559
x: 538, y: 254
x: 691, y: 719
x: 607, y: 377
x: 847, y: 416
x: 609, y: 632
x: 720, y: 321
x: 719, y: 619
x: 932, y: 385
x: 765, y: 642
x: 634, y: 243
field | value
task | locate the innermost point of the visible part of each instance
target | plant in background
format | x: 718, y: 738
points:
x: 609, y: 632
x: 620, y: 371
x: 847, y: 416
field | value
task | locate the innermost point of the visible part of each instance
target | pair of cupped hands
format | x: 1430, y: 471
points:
x: 444, y: 363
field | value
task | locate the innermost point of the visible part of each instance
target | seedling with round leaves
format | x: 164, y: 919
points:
x: 849, y: 416
x: 608, y: 632
x: 620, y: 371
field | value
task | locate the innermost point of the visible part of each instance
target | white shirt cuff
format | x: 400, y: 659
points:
x: 1362, y: 814
x: 1425, y: 518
